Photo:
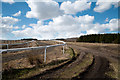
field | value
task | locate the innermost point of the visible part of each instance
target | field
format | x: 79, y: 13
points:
x: 80, y: 61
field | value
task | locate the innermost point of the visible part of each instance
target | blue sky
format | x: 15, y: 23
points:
x: 60, y: 21
x: 9, y: 10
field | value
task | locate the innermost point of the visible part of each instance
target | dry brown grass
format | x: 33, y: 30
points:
x: 7, y: 67
x: 36, y: 60
x: 33, y: 44
x: 11, y: 41
x: 110, y: 48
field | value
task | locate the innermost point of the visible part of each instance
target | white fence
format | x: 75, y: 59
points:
x: 32, y: 48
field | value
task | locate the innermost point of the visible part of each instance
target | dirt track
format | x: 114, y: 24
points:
x: 97, y: 69
x: 102, y: 54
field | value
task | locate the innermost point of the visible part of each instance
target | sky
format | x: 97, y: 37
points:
x: 51, y: 19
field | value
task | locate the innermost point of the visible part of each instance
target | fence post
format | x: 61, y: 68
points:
x: 45, y: 54
x: 63, y: 50
x: 0, y: 51
x: 7, y: 46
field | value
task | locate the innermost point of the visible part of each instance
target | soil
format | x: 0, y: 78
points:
x: 96, y: 71
x: 103, y: 54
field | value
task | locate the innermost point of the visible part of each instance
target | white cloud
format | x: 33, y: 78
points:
x: 6, y: 26
x: 17, y: 14
x: 8, y: 1
x: 43, y: 10
x: 66, y: 26
x: 24, y: 26
x: 101, y: 28
x: 106, y: 20
x: 9, y: 20
x: 16, y: 27
x: 102, y: 6
x: 62, y: 26
x: 77, y: 6
x: 39, y: 0
x: 39, y: 23
x: 113, y: 25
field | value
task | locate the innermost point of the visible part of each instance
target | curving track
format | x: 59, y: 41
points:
x: 96, y: 71
x: 102, y: 55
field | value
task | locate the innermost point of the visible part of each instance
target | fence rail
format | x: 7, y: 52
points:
x: 32, y: 48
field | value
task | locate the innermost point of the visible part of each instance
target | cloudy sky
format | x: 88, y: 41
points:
x: 50, y: 19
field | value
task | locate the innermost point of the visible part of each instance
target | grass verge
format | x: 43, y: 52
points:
x: 16, y: 74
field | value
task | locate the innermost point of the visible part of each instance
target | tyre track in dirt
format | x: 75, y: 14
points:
x: 96, y: 71
x: 96, y: 52
x: 100, y: 65
x: 55, y: 72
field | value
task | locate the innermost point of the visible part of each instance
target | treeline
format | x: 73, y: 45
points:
x: 28, y: 39
x: 100, y: 38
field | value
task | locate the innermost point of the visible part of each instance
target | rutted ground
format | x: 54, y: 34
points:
x: 105, y: 56
x: 71, y: 69
x: 18, y: 66
x: 89, y: 60
x: 98, y: 67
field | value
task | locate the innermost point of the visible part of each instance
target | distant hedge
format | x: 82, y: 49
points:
x: 100, y: 38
